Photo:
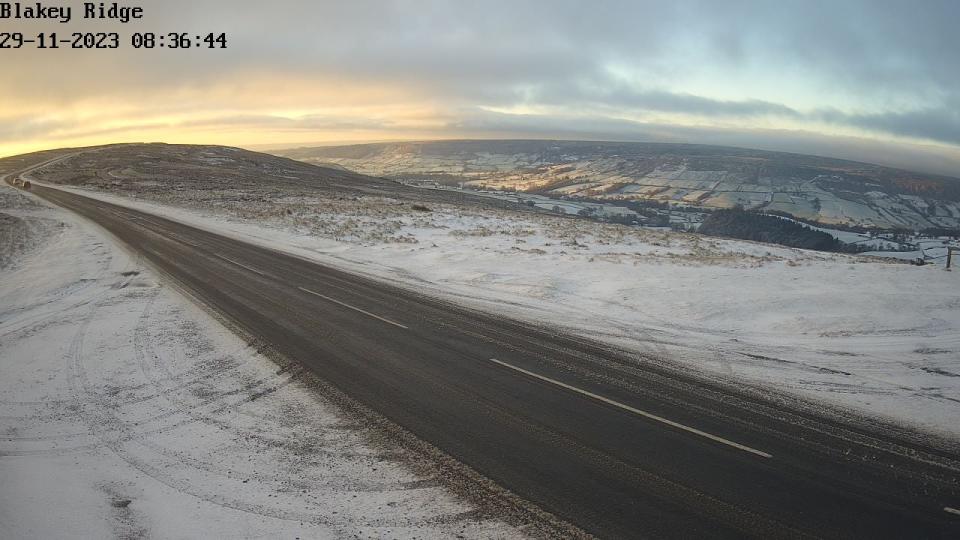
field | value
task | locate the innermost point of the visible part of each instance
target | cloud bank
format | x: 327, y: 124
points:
x: 796, y: 75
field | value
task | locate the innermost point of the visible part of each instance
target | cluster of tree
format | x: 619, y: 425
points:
x: 650, y: 212
x: 641, y: 204
x: 643, y: 217
x: 941, y: 231
x: 746, y: 225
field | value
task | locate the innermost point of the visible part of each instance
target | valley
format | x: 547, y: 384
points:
x: 823, y: 190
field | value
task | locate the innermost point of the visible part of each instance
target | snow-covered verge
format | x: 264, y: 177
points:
x: 879, y: 337
x: 22, y: 228
x: 128, y: 412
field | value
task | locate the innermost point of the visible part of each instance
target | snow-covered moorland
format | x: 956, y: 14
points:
x: 128, y: 412
x: 880, y: 337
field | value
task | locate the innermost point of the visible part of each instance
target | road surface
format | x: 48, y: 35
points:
x: 616, y: 446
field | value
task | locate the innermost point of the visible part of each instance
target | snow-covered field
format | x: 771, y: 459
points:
x: 128, y: 412
x: 881, y: 338
x: 21, y: 228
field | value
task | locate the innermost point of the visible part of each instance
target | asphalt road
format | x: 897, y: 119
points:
x: 617, y: 446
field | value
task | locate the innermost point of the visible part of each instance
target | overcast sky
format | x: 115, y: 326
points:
x: 869, y: 80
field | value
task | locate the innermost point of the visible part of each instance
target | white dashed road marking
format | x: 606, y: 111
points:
x: 636, y: 411
x: 367, y: 313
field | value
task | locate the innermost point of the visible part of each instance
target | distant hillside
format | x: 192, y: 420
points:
x: 825, y: 190
x: 220, y: 176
